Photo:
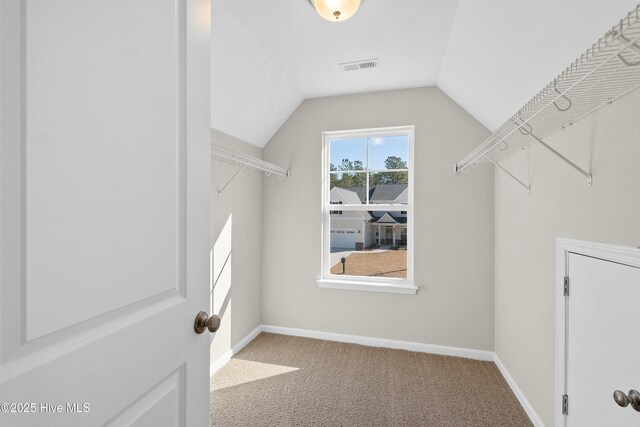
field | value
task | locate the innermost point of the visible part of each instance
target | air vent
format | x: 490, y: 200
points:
x: 359, y: 65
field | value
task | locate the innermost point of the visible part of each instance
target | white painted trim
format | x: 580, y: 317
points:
x: 382, y: 342
x: 528, y: 408
x: 627, y: 255
x: 325, y: 259
x: 371, y: 286
x: 353, y: 339
x: 220, y: 362
x: 226, y: 357
x: 374, y: 207
x: 561, y: 327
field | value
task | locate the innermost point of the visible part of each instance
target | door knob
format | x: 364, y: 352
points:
x: 203, y: 322
x: 624, y: 400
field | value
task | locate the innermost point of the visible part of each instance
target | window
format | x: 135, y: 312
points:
x: 368, y: 243
x: 339, y: 202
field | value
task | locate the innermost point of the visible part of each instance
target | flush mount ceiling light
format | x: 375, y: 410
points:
x: 336, y: 10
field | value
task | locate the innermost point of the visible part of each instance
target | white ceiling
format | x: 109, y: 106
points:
x: 490, y: 56
x: 503, y: 52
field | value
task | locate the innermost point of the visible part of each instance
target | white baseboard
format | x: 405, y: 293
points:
x: 533, y: 416
x: 220, y: 362
x: 246, y: 340
x: 226, y: 357
x: 382, y: 342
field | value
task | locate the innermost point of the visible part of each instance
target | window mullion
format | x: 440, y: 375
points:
x: 367, y: 169
x: 374, y: 207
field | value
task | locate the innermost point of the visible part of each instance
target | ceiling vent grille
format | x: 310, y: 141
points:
x: 359, y: 65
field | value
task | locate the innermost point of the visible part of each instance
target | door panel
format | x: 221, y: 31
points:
x: 99, y: 107
x: 602, y: 343
x: 159, y: 406
x: 104, y: 211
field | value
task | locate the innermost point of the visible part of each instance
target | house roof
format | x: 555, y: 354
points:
x: 389, y: 218
x: 360, y: 191
x: 489, y: 56
x: 346, y: 194
x: 386, y: 218
x: 379, y: 193
x: 387, y: 192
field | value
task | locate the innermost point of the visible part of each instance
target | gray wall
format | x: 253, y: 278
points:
x: 454, y: 226
x: 561, y: 205
x: 236, y: 233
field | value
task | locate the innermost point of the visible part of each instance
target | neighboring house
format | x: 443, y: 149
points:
x: 349, y: 229
x: 360, y: 229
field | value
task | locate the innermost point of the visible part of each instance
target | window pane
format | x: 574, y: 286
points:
x: 373, y: 244
x: 348, y: 154
x: 390, y: 152
x: 351, y: 182
x: 389, y: 187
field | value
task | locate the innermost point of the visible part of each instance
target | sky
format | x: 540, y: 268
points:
x: 379, y: 149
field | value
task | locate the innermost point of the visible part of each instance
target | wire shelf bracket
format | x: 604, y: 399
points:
x: 608, y: 70
x: 246, y: 162
x: 560, y: 156
x: 500, y: 167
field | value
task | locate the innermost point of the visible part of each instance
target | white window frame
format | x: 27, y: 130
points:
x: 375, y: 284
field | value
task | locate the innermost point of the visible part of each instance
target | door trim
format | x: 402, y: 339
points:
x: 626, y: 255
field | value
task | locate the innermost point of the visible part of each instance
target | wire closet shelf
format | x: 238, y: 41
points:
x: 246, y: 162
x: 605, y: 72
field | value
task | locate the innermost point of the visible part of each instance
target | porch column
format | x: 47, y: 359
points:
x: 379, y: 234
x: 394, y: 235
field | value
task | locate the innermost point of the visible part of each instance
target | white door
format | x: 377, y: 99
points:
x: 603, y: 345
x: 343, y: 238
x: 104, y: 212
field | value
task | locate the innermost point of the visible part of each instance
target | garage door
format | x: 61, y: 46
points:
x: 343, y: 238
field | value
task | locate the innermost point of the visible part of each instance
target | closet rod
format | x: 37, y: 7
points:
x: 246, y: 162
x: 235, y: 157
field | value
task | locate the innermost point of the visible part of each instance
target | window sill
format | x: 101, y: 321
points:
x: 352, y: 285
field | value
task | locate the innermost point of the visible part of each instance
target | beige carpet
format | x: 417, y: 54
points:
x: 279, y: 380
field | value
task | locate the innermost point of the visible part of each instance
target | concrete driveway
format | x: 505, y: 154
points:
x: 338, y: 253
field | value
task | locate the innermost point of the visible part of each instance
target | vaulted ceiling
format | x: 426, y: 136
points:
x: 490, y: 56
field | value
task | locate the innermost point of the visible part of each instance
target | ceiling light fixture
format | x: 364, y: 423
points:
x: 336, y: 10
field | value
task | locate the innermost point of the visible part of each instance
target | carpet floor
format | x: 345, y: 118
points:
x: 279, y: 380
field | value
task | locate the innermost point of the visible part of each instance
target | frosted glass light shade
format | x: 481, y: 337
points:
x: 336, y: 10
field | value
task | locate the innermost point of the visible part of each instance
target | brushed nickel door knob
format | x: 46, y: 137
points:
x: 634, y: 397
x: 623, y: 400
x: 204, y: 322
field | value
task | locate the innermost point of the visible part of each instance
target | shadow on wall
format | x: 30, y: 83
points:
x: 220, y: 281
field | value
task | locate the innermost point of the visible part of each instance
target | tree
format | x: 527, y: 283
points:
x: 347, y: 179
x: 392, y: 162
x: 350, y: 179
